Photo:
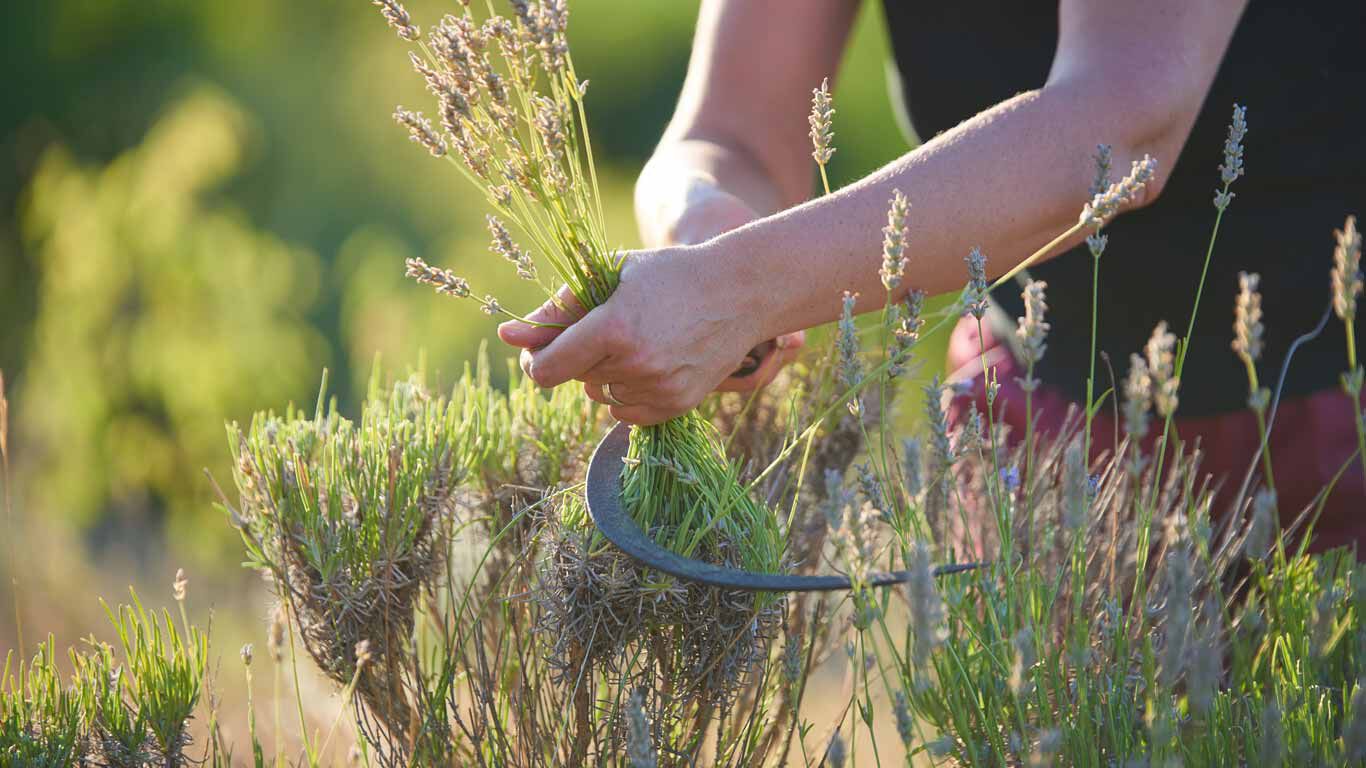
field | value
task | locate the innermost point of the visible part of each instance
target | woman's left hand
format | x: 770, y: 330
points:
x: 675, y: 329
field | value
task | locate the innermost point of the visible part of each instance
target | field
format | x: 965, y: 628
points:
x: 396, y: 566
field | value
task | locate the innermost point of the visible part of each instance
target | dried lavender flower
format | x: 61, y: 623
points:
x: 939, y: 466
x: 850, y: 364
x: 1207, y: 658
x: 1247, y: 318
x: 894, y: 242
x: 927, y: 606
x: 549, y: 124
x: 911, y: 466
x: 1122, y: 192
x: 1103, y: 163
x: 1262, y: 527
x: 792, y: 659
x: 871, y: 487
x: 1161, y: 353
x: 855, y: 540
x: 1180, y: 582
x: 1033, y: 329
x: 975, y: 297
x: 837, y: 497
x: 180, y: 584
x: 821, y: 120
x: 398, y: 18
x: 640, y: 748
x: 905, y: 725
x: 1025, y: 658
x: 906, y: 323
x: 443, y: 280
x: 364, y: 655
x: 1096, y: 242
x: 501, y: 195
x: 1347, y: 278
x: 275, y: 637
x: 1232, y: 166
x: 420, y: 131
x: 1138, y: 393
x: 1076, y: 498
x: 970, y: 433
x: 503, y: 245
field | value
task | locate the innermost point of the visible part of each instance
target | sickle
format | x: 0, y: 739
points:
x: 604, y: 505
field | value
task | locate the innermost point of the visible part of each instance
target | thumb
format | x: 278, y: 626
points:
x: 564, y: 308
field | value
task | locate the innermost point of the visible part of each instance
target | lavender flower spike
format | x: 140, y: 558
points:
x: 975, y: 298
x: 821, y: 120
x: 894, y: 242
x: 1347, y: 270
x: 1121, y: 193
x: 398, y: 18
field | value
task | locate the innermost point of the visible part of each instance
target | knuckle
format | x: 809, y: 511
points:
x: 672, y: 392
x: 654, y: 365
x: 617, y: 333
x: 542, y: 372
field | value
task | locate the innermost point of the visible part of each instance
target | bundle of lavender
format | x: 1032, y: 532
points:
x: 513, y: 122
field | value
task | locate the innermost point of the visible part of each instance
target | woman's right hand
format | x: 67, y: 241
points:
x: 706, y: 211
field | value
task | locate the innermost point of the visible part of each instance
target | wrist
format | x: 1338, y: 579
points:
x: 736, y: 285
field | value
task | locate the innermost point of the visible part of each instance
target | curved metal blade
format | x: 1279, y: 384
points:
x: 604, y: 505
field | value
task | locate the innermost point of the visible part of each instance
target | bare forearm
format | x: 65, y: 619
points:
x: 738, y: 131
x: 1007, y: 181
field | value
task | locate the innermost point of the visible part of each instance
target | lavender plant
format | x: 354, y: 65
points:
x: 513, y: 123
x: 364, y: 531
x: 1122, y: 620
x: 128, y: 708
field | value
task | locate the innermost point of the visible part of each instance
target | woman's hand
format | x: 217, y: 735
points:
x: 697, y: 210
x: 681, y: 321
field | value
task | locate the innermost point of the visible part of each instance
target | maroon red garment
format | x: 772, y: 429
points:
x: 1312, y: 437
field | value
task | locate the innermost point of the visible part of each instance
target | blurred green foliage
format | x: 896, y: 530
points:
x: 203, y: 204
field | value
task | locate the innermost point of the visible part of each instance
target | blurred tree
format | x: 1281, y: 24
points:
x: 160, y: 312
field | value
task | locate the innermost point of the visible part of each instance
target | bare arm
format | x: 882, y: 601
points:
x: 1132, y: 73
x: 737, y: 146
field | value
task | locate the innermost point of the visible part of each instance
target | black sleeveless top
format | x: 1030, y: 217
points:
x: 1300, y: 70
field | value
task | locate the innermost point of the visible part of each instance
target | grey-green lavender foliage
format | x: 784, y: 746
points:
x: 1184, y: 651
x: 125, y: 706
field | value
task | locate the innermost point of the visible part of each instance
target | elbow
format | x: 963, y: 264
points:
x: 1143, y: 113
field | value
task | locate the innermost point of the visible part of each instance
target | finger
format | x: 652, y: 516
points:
x: 791, y: 341
x: 573, y: 353
x: 785, y: 349
x: 641, y: 415
x: 595, y: 393
x: 524, y: 360
x: 768, y: 368
x: 614, y: 392
x: 520, y: 334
